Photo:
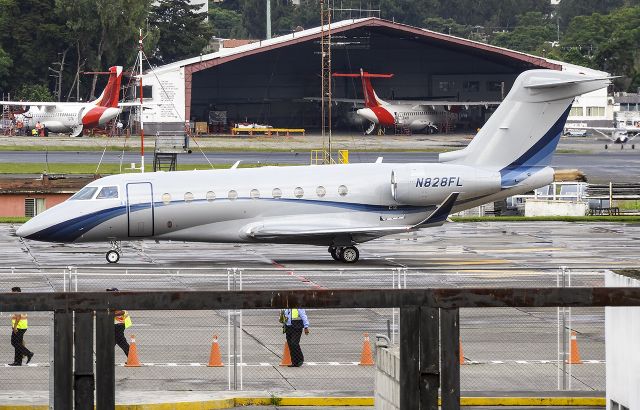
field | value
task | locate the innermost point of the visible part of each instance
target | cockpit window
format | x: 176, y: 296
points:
x: 108, y: 192
x: 85, y: 193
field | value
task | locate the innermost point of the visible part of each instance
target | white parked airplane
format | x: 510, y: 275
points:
x: 337, y: 206
x: 417, y: 116
x: 73, y: 117
x: 626, y: 129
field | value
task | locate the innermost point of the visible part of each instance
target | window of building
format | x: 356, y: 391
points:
x: 615, y: 405
x: 298, y: 192
x: 211, y: 196
x: 166, y: 198
x: 33, y: 206
x: 321, y: 191
x: 254, y: 194
x: 147, y: 91
x: 108, y: 192
x: 576, y: 112
x: 276, y: 193
x: 494, y: 86
x: 188, y: 197
x: 233, y: 195
x: 446, y: 85
x: 342, y: 190
x: 595, y: 111
x: 84, y: 194
x: 471, y: 86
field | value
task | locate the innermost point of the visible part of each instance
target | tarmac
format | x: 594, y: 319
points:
x: 506, y: 350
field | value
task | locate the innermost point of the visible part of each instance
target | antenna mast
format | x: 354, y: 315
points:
x: 325, y: 45
x: 140, y: 54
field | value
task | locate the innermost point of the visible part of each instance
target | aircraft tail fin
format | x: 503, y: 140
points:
x: 522, y: 134
x: 370, y: 97
x: 111, y: 94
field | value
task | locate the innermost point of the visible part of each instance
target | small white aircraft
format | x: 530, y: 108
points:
x: 72, y: 117
x: 338, y: 206
x: 417, y: 116
x: 626, y: 129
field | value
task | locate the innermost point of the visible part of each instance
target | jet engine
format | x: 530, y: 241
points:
x: 430, y: 185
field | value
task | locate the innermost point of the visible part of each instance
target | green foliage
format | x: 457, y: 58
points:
x: 226, y: 23
x: 182, y: 30
x: 533, y: 34
x: 33, y: 92
x: 5, y: 66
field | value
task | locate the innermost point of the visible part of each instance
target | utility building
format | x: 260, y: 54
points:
x: 277, y: 81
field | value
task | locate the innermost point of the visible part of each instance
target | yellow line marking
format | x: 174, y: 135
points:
x: 338, y: 401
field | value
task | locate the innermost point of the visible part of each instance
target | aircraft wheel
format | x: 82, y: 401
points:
x: 113, y: 256
x: 633, y: 146
x: 334, y: 253
x: 606, y: 146
x: 349, y: 254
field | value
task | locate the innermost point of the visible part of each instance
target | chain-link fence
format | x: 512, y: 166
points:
x: 506, y: 349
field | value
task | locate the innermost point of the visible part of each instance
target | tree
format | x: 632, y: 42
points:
x: 533, y: 34
x: 33, y: 92
x: 183, y: 32
x: 226, y: 23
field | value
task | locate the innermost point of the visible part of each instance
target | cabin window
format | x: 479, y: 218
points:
x: 108, y: 192
x: 254, y: 194
x: 298, y: 192
x: 276, y: 193
x: 211, y: 196
x: 166, y: 198
x: 233, y: 195
x: 321, y: 191
x: 342, y: 190
x: 188, y: 197
x: 84, y: 193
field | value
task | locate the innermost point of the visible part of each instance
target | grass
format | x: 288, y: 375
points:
x: 624, y: 219
x: 13, y: 219
x: 105, y: 169
x: 627, y: 204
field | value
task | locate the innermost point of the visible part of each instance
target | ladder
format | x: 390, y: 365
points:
x: 6, y: 122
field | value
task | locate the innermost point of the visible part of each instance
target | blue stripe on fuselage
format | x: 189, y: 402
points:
x: 536, y: 157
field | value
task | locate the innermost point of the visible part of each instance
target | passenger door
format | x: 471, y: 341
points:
x: 140, y: 209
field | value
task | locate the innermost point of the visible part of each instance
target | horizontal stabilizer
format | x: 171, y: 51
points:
x: 539, y: 83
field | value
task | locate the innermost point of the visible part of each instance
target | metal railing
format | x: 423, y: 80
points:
x: 429, y: 328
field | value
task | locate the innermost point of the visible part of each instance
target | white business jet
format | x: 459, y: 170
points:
x: 338, y: 206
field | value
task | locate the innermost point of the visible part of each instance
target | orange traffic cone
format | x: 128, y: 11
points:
x: 286, y: 356
x: 366, y: 357
x: 215, y: 358
x: 574, y: 353
x: 461, y: 354
x: 132, y: 358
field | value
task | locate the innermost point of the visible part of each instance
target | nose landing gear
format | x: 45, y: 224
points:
x: 113, y: 256
x: 346, y: 254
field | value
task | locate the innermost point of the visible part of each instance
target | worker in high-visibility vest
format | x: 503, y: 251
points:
x: 121, y: 321
x: 19, y: 325
x: 295, y: 320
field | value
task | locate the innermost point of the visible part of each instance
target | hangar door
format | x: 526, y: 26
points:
x: 140, y: 209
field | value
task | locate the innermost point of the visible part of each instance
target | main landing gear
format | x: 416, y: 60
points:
x: 346, y: 254
x: 113, y: 256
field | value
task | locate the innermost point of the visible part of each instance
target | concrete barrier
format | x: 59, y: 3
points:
x: 542, y: 207
x: 387, y: 381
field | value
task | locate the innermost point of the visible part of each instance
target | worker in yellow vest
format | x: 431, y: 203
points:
x: 294, y: 321
x: 19, y: 325
x: 121, y: 321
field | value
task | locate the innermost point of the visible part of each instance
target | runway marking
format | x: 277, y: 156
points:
x: 303, y: 279
x: 519, y: 250
x: 478, y: 262
x: 525, y: 362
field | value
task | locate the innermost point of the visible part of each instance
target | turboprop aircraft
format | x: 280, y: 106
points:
x: 337, y: 206
x: 73, y: 117
x: 417, y: 116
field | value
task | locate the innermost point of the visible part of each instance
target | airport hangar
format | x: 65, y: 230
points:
x: 275, y: 81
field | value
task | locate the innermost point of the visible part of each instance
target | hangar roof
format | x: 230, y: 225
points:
x: 195, y: 64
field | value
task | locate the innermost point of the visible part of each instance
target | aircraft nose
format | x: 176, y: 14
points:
x: 368, y: 114
x: 26, y: 229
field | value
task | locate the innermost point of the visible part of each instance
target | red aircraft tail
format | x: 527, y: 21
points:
x: 370, y: 98
x: 111, y: 94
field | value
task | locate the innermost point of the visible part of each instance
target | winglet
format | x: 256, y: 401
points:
x: 440, y: 215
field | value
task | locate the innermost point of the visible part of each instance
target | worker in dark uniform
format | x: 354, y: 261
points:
x: 295, y: 320
x: 121, y: 321
x: 19, y: 325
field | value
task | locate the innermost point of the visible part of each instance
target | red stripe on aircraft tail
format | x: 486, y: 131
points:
x: 111, y: 94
